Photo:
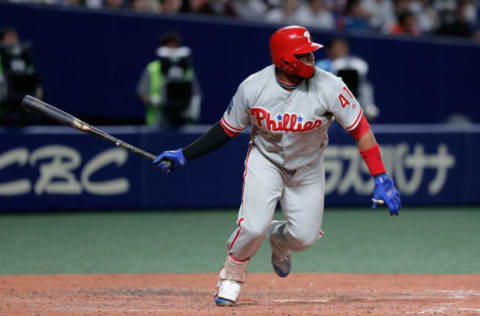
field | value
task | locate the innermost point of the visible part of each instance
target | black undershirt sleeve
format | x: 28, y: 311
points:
x: 208, y: 142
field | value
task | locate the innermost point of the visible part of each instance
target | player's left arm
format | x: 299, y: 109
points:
x: 350, y: 115
x: 385, y: 190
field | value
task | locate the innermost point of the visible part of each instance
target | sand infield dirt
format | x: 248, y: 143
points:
x: 263, y: 294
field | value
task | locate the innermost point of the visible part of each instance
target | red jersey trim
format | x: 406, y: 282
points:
x: 361, y: 128
x: 355, y: 123
x: 230, y: 127
x: 227, y: 130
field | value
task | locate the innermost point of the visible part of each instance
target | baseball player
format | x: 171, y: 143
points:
x: 290, y: 105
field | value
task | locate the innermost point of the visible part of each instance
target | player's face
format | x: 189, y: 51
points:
x: 308, y: 59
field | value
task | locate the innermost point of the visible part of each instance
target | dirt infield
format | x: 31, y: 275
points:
x: 263, y: 294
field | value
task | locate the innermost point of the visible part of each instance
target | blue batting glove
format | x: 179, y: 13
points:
x: 386, y: 192
x: 170, y: 160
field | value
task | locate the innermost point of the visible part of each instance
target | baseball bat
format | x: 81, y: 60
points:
x: 51, y: 112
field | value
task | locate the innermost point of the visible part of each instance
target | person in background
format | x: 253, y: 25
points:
x: 197, y: 7
x: 353, y: 70
x: 354, y: 17
x: 406, y: 25
x: 250, y: 9
x: 285, y: 13
x: 171, y: 7
x: 146, y: 6
x: 426, y: 15
x: 168, y: 86
x: 457, y: 22
x: 316, y: 14
x: 381, y: 14
x: 18, y: 77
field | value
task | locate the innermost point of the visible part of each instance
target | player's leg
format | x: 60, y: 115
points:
x: 302, y: 204
x: 262, y: 188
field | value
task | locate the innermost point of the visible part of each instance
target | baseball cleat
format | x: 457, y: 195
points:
x: 281, y: 265
x: 228, y: 292
x: 222, y: 302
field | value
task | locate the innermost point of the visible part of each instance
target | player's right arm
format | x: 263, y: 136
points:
x: 234, y: 120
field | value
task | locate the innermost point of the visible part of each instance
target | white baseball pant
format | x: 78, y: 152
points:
x: 301, y: 196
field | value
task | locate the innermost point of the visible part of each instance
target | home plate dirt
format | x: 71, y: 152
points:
x: 263, y: 294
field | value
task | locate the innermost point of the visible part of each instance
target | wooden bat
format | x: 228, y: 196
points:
x: 51, y: 112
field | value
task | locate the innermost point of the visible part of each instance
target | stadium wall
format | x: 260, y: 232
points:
x: 90, y: 61
x: 57, y: 168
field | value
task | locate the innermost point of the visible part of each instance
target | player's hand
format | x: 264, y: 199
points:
x: 386, y: 192
x: 170, y: 160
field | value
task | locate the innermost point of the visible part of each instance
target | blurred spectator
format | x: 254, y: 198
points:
x: 18, y: 77
x: 114, y: 4
x: 171, y: 6
x: 354, y: 16
x: 151, y: 6
x: 458, y: 22
x: 168, y: 86
x: 316, y: 14
x: 222, y: 7
x: 408, y: 17
x: 381, y: 14
x: 426, y: 15
x: 406, y: 25
x: 476, y: 34
x: 250, y: 9
x: 197, y: 7
x: 286, y: 13
x: 353, y: 70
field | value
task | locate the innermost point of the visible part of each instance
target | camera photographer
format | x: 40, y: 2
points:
x: 18, y: 77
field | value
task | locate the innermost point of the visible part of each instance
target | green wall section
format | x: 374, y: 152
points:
x: 357, y: 240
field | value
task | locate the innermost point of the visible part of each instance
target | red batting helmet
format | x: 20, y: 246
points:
x: 289, y: 41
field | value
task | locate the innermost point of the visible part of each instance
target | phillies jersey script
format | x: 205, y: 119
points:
x: 290, y: 127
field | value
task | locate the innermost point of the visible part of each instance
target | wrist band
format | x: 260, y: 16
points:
x: 373, y: 160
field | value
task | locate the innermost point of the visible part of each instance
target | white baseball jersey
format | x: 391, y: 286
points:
x: 290, y: 127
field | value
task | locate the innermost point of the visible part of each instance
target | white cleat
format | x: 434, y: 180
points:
x: 228, y: 292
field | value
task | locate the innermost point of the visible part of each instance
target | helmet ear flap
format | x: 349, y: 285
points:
x: 289, y: 63
x: 285, y: 61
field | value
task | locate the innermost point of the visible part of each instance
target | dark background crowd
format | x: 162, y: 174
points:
x: 110, y: 64
x: 410, y: 17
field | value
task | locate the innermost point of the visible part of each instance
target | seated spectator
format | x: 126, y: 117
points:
x: 457, y: 23
x: 222, y: 7
x: 354, y: 16
x: 18, y: 77
x: 250, y: 9
x: 316, y: 14
x: 426, y: 15
x: 196, y: 7
x: 168, y: 86
x: 286, y: 13
x: 407, y: 25
x: 381, y: 14
x: 148, y: 6
x: 353, y: 70
x: 171, y: 6
x: 114, y: 4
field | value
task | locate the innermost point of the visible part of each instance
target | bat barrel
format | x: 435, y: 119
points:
x: 49, y: 111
